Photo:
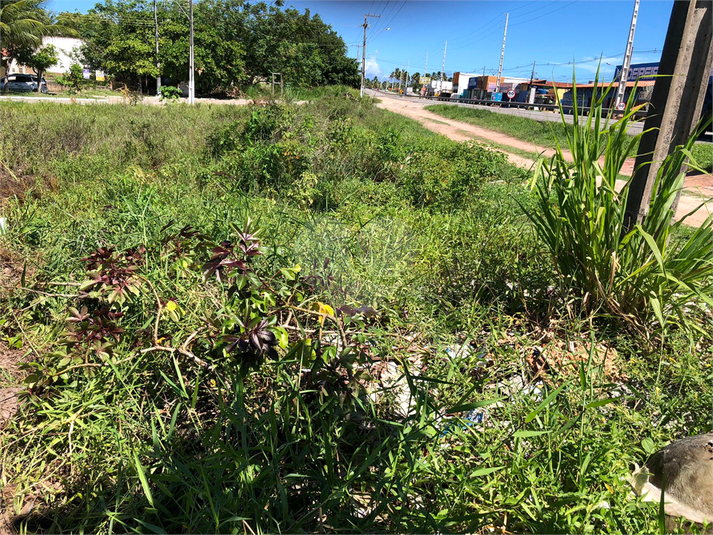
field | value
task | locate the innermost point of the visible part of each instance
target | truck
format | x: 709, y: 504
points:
x: 439, y: 88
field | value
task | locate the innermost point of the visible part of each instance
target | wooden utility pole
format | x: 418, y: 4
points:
x: 677, y: 100
x: 363, y: 52
x: 158, y: 63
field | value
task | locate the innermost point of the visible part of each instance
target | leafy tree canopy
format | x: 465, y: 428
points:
x: 236, y: 44
x: 22, y: 25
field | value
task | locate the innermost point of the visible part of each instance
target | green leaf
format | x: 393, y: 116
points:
x: 144, y: 482
x: 485, y: 471
x: 544, y: 404
x: 528, y: 434
x: 601, y: 402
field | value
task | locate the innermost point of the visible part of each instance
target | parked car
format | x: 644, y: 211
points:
x: 24, y: 83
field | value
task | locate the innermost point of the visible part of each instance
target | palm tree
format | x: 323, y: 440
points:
x: 22, y: 25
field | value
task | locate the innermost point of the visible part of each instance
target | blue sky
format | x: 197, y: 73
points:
x: 551, y: 33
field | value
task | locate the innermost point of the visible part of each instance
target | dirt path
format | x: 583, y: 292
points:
x: 696, y: 187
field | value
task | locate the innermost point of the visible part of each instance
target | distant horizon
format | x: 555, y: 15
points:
x: 563, y: 37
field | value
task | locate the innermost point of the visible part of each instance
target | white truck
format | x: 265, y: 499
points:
x: 439, y: 88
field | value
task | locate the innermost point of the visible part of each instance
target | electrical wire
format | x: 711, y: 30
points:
x: 467, y: 37
x: 468, y: 45
x: 537, y: 9
x: 545, y: 14
x: 380, y: 16
x: 387, y: 26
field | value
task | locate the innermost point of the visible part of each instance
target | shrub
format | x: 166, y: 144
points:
x: 170, y: 93
x: 73, y: 78
x: 639, y: 275
x: 445, y: 172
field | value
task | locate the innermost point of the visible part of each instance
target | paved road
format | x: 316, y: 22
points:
x: 540, y: 115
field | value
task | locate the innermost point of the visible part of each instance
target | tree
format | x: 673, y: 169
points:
x: 39, y: 60
x: 23, y: 23
x: 416, y: 81
x: 236, y: 44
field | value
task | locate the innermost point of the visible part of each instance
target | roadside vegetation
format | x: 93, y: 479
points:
x: 541, y: 133
x: 318, y: 318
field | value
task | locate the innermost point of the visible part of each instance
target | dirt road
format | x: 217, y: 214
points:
x: 697, y: 187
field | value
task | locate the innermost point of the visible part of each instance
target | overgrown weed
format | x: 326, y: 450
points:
x: 442, y: 293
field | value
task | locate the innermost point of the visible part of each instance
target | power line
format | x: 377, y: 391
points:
x: 537, y: 9
x: 494, y: 31
x: 468, y: 36
x: 388, y: 25
x: 381, y: 15
x: 545, y: 14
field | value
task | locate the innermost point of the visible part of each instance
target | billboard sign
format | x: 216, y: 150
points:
x: 639, y: 71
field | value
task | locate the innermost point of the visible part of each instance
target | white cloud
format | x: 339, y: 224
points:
x: 371, y: 68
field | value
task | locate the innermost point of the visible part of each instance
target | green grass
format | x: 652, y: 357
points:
x: 377, y: 212
x: 540, y: 133
x: 703, y: 154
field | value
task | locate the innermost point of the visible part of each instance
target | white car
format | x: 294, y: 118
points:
x: 24, y: 83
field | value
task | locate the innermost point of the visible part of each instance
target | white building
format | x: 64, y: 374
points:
x: 67, y: 49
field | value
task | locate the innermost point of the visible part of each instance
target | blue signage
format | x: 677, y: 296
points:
x: 473, y: 83
x: 639, y: 71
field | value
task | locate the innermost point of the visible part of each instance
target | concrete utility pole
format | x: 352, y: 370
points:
x: 363, y: 52
x: 502, y: 54
x: 443, y: 69
x: 627, y: 58
x: 158, y: 63
x: 408, y: 68
x: 677, y: 101
x: 425, y: 69
x: 191, y: 62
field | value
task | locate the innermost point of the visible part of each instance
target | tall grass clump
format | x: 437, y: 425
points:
x: 654, y: 276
